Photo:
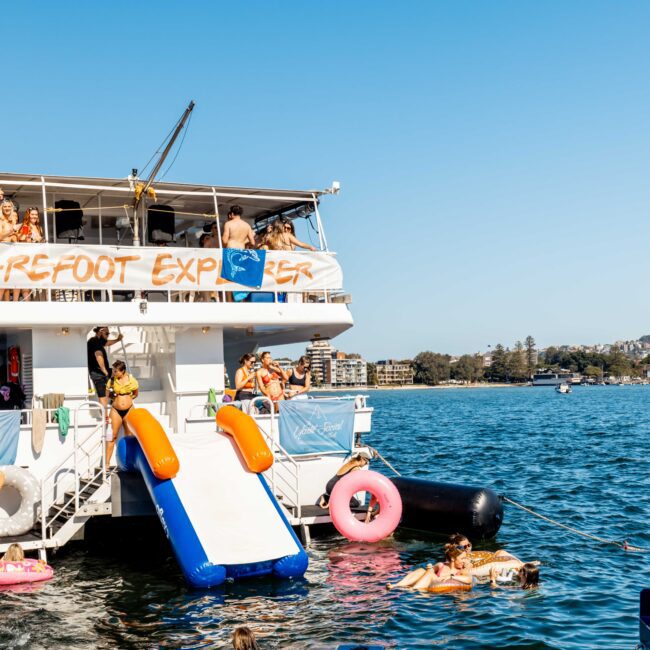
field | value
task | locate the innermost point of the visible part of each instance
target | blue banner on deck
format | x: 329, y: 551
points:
x: 9, y: 432
x: 316, y: 425
x: 243, y: 266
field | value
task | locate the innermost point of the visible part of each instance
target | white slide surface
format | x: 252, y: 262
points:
x: 234, y: 517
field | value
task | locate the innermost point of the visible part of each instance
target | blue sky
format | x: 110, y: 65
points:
x: 494, y: 156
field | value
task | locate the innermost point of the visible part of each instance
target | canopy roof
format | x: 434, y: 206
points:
x: 256, y: 202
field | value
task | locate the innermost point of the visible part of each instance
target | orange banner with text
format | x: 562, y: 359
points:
x: 67, y: 266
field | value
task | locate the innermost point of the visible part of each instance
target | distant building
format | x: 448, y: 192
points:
x: 346, y: 372
x: 333, y: 368
x: 391, y: 371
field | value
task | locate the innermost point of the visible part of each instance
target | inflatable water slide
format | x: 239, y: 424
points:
x: 213, y: 502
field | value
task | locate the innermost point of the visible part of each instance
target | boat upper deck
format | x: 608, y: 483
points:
x: 116, y: 251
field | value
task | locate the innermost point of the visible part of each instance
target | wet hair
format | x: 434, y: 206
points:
x: 529, y: 576
x: 119, y: 365
x: 304, y: 359
x: 246, y: 357
x: 451, y: 552
x: 202, y: 239
x: 14, y: 553
x: 457, y: 538
x: 236, y: 210
x: 244, y: 639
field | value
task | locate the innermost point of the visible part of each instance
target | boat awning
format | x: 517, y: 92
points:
x: 258, y: 203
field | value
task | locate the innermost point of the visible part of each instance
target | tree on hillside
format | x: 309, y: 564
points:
x: 517, y: 363
x: 593, y: 371
x: 431, y: 368
x: 645, y: 338
x: 468, y: 368
x: 531, y: 355
x: 498, y: 370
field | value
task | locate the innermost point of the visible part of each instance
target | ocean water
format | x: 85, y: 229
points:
x: 580, y: 458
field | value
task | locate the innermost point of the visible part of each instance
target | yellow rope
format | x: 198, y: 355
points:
x: 104, y: 207
x: 624, y: 545
x: 205, y: 215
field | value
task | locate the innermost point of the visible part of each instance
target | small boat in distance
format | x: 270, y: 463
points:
x: 563, y: 388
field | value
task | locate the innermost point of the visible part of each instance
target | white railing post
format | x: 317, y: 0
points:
x: 43, y: 509
x: 321, y: 233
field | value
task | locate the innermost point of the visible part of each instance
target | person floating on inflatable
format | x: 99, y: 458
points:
x: 484, y: 564
x: 15, y: 568
x: 450, y: 575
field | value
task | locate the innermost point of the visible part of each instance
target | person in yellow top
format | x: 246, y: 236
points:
x: 123, y: 389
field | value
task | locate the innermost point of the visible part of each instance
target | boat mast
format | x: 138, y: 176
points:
x: 156, y: 169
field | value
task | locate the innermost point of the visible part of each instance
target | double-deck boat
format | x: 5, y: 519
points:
x: 232, y: 497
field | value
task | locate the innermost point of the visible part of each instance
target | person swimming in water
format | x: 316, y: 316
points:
x: 527, y: 576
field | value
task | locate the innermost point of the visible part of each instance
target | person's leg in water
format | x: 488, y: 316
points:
x: 410, y: 578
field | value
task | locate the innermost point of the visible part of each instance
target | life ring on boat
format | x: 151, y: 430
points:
x: 387, y: 496
x: 13, y: 573
x: 23, y: 519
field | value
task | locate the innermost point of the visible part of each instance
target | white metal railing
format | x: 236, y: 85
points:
x: 94, y: 295
x: 86, y: 453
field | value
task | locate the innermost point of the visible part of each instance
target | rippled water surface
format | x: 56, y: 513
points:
x: 581, y: 458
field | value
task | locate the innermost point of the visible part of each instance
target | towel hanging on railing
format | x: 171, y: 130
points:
x: 9, y: 432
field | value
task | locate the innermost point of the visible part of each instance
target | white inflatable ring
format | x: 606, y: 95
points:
x: 386, y: 494
x: 23, y: 519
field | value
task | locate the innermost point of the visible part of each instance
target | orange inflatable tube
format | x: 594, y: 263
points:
x: 247, y: 436
x: 154, y: 442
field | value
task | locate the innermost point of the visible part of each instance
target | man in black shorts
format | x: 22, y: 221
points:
x: 98, y: 366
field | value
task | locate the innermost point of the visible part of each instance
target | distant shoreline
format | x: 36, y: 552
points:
x: 416, y: 387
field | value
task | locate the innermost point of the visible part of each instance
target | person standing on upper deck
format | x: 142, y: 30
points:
x: 236, y: 232
x: 98, y: 367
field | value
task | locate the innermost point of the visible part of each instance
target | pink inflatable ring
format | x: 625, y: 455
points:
x: 386, y: 494
x: 13, y: 573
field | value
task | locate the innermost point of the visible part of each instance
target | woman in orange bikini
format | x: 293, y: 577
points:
x: 271, y: 379
x: 245, y: 378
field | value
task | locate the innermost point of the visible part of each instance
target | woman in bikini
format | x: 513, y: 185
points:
x: 245, y: 378
x: 123, y: 388
x: 271, y: 379
x: 455, y: 569
x: 29, y: 232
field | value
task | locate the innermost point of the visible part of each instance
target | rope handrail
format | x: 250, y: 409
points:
x: 206, y: 215
x: 623, y: 545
